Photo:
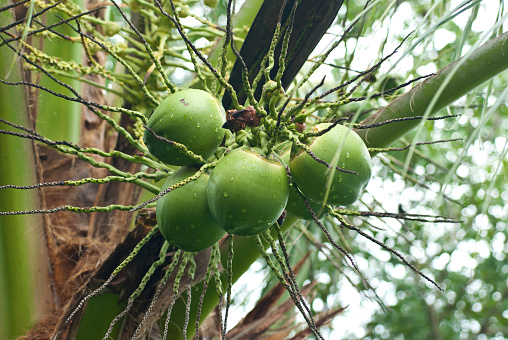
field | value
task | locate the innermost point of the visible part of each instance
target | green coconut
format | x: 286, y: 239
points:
x: 295, y: 204
x: 312, y: 177
x: 247, y: 191
x: 190, y: 117
x: 183, y: 215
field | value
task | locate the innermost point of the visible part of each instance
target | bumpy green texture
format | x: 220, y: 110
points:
x: 247, y: 191
x: 183, y: 215
x: 295, y: 204
x: 190, y: 117
x: 311, y: 176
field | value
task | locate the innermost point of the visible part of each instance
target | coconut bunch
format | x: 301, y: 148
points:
x: 241, y: 171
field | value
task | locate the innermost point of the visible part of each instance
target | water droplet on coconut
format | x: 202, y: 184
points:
x: 198, y: 126
x: 195, y: 195
x: 243, y: 167
x: 225, y: 194
x: 347, y: 155
x: 232, y: 178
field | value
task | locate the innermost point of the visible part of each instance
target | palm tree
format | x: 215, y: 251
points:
x: 81, y: 125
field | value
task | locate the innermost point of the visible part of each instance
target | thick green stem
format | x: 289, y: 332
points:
x: 458, y: 79
x: 24, y: 283
x: 99, y: 312
x: 246, y: 252
x: 58, y: 118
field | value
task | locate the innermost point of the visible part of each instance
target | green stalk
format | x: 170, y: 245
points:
x: 57, y: 118
x: 99, y: 313
x: 24, y: 282
x: 448, y: 85
x: 246, y: 252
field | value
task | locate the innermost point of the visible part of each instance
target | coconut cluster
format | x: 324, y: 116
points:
x: 248, y: 189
